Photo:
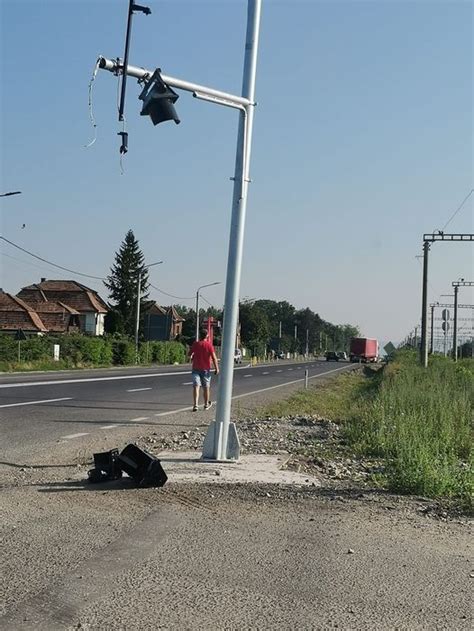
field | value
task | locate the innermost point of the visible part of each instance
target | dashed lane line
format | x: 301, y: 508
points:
x: 138, y: 419
x: 248, y: 375
x: 265, y: 373
x: 187, y: 409
x: 14, y: 405
x: 139, y: 389
x: 188, y: 383
x: 108, y: 426
x: 279, y: 370
x: 75, y: 435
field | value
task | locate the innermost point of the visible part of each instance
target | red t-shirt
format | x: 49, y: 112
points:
x: 202, y: 352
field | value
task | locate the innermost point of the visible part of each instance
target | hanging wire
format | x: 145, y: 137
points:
x: 458, y: 209
x: 91, y: 112
x: 66, y: 269
x: 172, y: 295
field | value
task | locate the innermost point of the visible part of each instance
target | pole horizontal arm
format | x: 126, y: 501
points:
x: 448, y: 237
x: 436, y: 304
x: 115, y: 67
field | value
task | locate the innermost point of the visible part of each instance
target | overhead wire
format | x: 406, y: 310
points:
x: 40, y: 258
x: 458, y: 208
x: 171, y: 295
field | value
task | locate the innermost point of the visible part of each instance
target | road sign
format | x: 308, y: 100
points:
x: 20, y: 335
x: 389, y: 348
x: 445, y: 314
x: 445, y: 326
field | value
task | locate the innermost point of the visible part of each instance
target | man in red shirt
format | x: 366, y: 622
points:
x: 201, y: 354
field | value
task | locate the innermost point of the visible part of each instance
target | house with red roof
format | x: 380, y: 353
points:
x: 73, y: 298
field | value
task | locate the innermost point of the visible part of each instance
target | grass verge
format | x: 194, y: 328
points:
x: 418, y: 421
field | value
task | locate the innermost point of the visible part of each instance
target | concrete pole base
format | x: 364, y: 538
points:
x: 209, y: 448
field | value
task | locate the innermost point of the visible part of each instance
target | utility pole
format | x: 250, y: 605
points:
x: 456, y: 284
x: 432, y: 305
x: 307, y: 343
x: 279, y: 336
x: 427, y: 240
x: 416, y: 337
x: 424, y: 303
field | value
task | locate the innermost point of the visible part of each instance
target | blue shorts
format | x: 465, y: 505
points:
x: 202, y: 378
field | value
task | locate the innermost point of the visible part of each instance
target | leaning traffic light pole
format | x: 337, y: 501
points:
x: 221, y: 442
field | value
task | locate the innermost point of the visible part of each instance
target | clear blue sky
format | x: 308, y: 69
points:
x: 363, y: 141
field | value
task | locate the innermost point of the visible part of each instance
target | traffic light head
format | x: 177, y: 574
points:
x: 158, y: 100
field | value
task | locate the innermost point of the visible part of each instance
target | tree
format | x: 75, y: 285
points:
x: 122, y: 284
x: 254, y: 327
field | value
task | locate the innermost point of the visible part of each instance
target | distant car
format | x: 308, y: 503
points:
x: 331, y: 356
x: 237, y: 356
x: 342, y: 355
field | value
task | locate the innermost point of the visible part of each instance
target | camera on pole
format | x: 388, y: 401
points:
x: 158, y: 100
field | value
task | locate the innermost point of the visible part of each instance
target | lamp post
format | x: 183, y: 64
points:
x: 139, y: 291
x: 197, y: 305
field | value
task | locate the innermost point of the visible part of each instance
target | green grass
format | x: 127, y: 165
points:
x: 418, y: 420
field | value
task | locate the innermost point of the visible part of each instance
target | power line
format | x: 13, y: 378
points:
x: 459, y: 208
x: 171, y: 295
x: 66, y: 269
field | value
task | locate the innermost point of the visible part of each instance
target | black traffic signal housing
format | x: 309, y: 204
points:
x: 158, y: 100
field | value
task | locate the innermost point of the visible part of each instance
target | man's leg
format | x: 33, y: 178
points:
x: 195, y: 396
x: 206, y: 387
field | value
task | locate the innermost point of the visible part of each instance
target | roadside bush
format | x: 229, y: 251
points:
x: 123, y: 351
x: 167, y: 352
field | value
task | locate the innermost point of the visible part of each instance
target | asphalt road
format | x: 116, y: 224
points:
x: 37, y: 409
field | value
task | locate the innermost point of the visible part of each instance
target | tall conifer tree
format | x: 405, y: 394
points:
x: 122, y: 284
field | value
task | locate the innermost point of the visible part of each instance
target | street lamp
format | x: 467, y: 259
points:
x: 139, y: 291
x: 197, y: 305
x: 11, y: 193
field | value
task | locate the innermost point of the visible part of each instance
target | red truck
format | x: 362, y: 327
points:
x: 363, y: 349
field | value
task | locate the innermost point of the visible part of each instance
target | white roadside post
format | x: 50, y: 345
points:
x: 221, y: 442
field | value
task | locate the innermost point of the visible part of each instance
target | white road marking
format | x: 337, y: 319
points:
x: 265, y: 373
x: 299, y: 368
x: 279, y: 370
x: 14, y: 405
x: 75, y: 435
x: 188, y: 383
x: 138, y: 389
x: 247, y: 394
x: 108, y: 426
x: 248, y: 375
x: 174, y: 411
x: 139, y: 418
x: 288, y: 383
x: 289, y: 368
x: 26, y: 384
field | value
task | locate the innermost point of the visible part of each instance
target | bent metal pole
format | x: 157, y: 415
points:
x: 236, y: 239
